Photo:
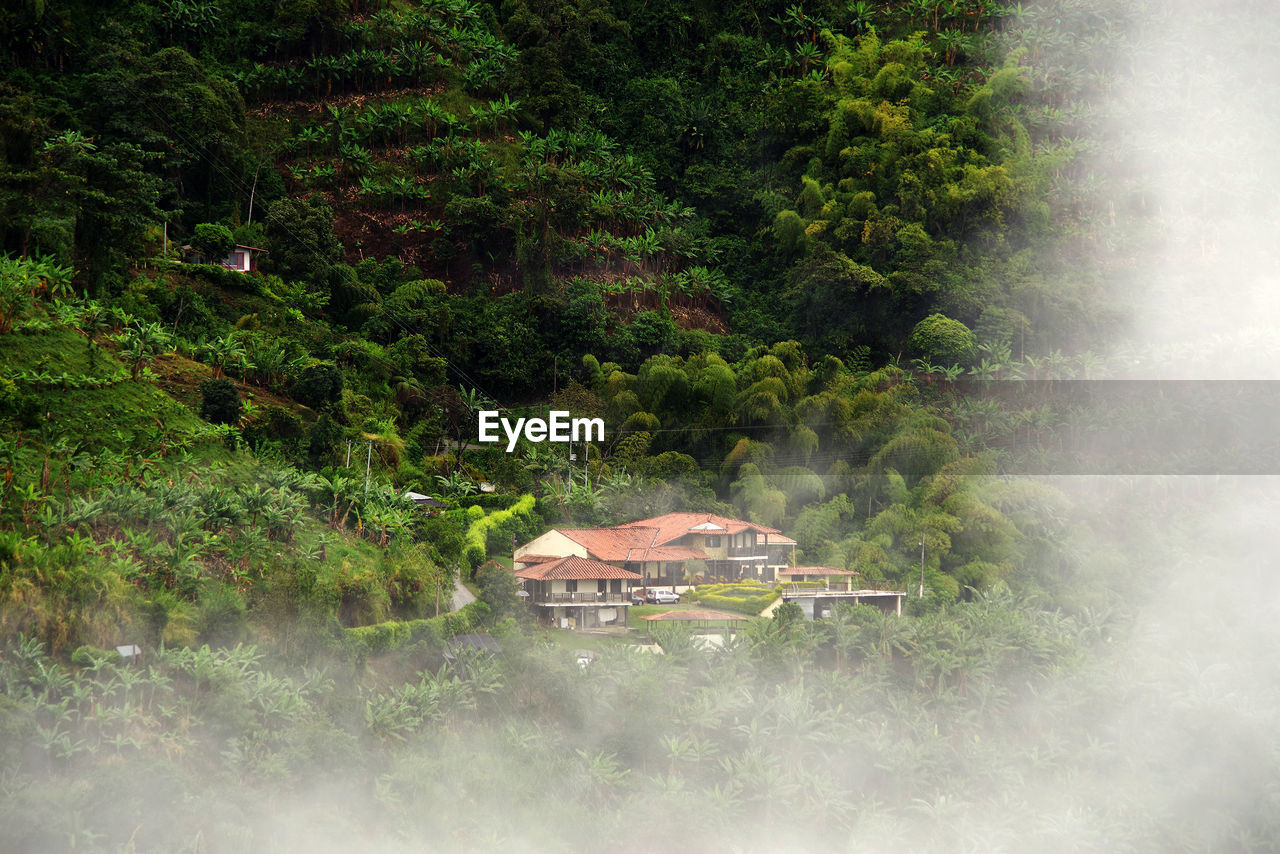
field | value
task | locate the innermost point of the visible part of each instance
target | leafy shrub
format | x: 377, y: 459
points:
x: 92, y: 656
x: 323, y: 439
x: 319, y: 385
x: 378, y: 638
x: 300, y: 232
x: 212, y: 240
x: 943, y: 340
x: 393, y: 634
x: 493, y: 500
x: 498, y: 590
x: 653, y: 331
x: 481, y: 525
x: 230, y: 280
x: 222, y: 619
x: 220, y: 402
x: 284, y: 424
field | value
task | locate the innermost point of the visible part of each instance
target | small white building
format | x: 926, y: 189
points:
x: 243, y: 259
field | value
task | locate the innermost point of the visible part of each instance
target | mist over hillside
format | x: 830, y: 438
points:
x: 1194, y: 125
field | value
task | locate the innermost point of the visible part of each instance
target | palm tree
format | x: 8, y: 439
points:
x: 417, y: 58
x: 404, y: 189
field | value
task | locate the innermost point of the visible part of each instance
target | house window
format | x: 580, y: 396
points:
x: 713, y: 542
x: 571, y: 586
x: 615, y: 586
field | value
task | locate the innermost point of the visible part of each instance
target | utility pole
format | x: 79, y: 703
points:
x: 369, y: 459
x: 254, y: 190
x: 921, y: 565
x: 348, y: 463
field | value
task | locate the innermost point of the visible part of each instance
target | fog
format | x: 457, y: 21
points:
x: 1184, y: 709
x: 1191, y: 137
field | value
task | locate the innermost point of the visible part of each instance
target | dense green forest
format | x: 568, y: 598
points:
x: 787, y: 251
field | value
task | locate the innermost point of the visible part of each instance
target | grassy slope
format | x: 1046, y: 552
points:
x: 127, y: 423
x: 125, y: 416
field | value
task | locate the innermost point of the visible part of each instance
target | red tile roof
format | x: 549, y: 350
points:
x: 574, y: 567
x: 610, y: 543
x: 537, y: 558
x: 673, y: 526
x: 651, y: 539
x: 629, y: 543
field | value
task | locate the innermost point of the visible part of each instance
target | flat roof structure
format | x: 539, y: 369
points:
x: 815, y: 601
x: 692, y: 615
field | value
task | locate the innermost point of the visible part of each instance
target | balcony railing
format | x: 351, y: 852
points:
x: 749, y: 551
x: 583, y: 596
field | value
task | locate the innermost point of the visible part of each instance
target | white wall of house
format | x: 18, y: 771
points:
x: 716, y: 552
x: 589, y: 617
x: 551, y: 543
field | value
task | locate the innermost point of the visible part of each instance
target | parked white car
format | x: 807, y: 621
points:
x: 662, y: 597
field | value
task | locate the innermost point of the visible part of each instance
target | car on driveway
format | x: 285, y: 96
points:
x: 661, y: 597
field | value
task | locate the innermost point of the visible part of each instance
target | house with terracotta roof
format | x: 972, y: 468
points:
x: 576, y: 592
x: 731, y: 548
x: 658, y: 549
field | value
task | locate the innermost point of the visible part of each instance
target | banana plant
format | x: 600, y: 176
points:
x: 369, y: 188
x: 223, y: 353
x: 456, y: 484
x: 404, y: 189
x: 142, y: 343
x: 418, y: 58
x: 356, y: 159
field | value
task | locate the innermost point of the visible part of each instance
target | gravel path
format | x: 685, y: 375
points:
x: 462, y: 596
